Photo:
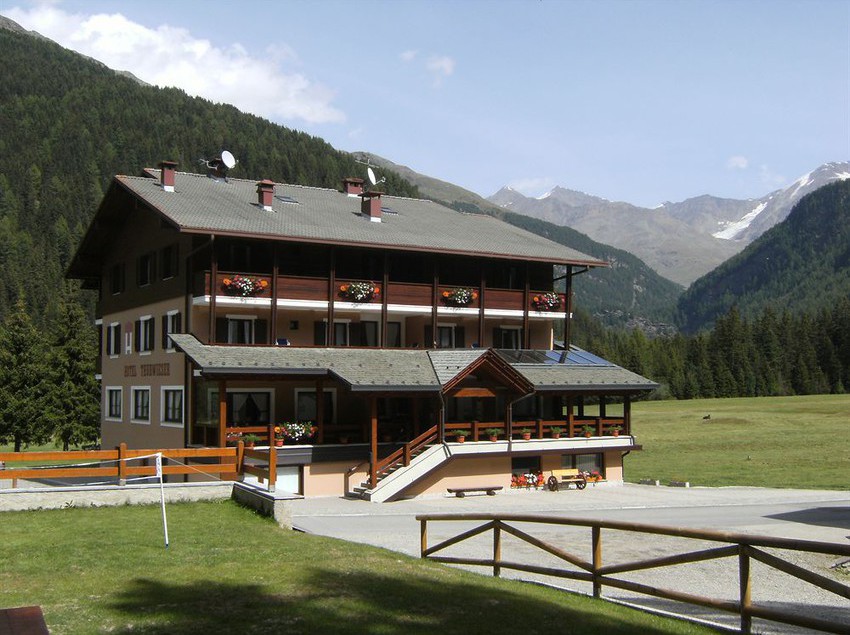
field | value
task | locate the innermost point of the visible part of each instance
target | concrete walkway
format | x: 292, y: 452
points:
x: 803, y: 514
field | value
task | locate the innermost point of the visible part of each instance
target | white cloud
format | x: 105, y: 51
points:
x: 737, y: 162
x: 533, y: 186
x: 440, y: 66
x: 408, y: 56
x: 170, y: 56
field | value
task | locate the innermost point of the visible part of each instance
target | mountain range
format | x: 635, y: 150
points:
x: 681, y: 241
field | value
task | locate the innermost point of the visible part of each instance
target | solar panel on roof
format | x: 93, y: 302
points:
x: 287, y: 199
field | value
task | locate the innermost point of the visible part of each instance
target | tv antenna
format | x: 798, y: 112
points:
x: 218, y: 167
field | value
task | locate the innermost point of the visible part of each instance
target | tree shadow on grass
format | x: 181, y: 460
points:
x: 348, y: 603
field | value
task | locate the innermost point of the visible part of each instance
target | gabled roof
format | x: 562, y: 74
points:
x: 413, y: 370
x: 200, y: 204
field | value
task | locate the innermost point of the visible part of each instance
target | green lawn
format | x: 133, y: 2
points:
x: 766, y: 441
x: 104, y: 570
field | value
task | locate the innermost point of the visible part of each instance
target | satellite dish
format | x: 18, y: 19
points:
x: 371, y: 174
x: 228, y: 159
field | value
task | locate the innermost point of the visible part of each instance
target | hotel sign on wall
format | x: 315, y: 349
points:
x: 147, y: 370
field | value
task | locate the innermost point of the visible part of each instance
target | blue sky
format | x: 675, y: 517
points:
x: 641, y: 101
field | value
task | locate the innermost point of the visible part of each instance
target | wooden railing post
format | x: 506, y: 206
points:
x: 596, y: 537
x: 423, y: 537
x: 745, y: 589
x: 240, y: 460
x: 272, y: 466
x: 122, y: 464
x: 540, y: 428
x: 497, y: 549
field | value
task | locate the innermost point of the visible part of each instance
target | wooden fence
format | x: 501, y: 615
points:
x: 744, y: 547
x: 122, y: 464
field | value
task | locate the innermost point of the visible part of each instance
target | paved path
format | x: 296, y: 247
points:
x: 813, y: 515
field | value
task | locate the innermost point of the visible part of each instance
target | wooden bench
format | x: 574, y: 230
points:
x: 565, y: 477
x: 460, y: 492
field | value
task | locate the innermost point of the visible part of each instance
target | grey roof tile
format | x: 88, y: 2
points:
x: 200, y: 203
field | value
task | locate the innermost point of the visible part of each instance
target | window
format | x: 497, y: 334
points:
x: 172, y: 406
x: 145, y: 334
x: 584, y: 462
x: 171, y: 323
x: 141, y: 404
x: 145, y: 269
x: 116, y: 278
x: 342, y: 332
x: 114, y: 403
x: 448, y: 336
x: 306, y: 407
x: 507, y: 337
x: 241, y: 329
x: 168, y: 261
x: 394, y: 334
x: 113, y: 339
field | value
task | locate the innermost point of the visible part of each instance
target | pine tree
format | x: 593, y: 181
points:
x: 74, y: 394
x: 23, y: 381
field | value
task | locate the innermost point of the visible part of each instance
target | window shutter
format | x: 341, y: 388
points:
x: 497, y: 337
x: 117, y: 346
x: 178, y: 323
x: 460, y: 337
x: 319, y: 333
x: 152, y: 330
x: 261, y: 328
x: 429, y: 336
x: 221, y: 330
x: 356, y: 336
x: 138, y: 335
x: 164, y: 332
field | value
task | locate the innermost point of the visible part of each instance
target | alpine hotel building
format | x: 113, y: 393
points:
x: 385, y: 325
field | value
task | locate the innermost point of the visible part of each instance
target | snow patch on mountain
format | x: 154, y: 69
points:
x: 730, y: 230
x: 802, y: 182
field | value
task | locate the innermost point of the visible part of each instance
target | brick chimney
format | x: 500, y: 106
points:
x: 352, y: 186
x: 265, y: 194
x: 166, y: 177
x: 370, y: 206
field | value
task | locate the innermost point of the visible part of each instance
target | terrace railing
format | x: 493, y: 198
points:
x: 743, y: 547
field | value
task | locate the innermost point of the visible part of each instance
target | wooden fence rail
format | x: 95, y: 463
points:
x: 744, y: 547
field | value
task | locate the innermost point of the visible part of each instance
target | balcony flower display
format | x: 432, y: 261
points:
x: 359, y: 291
x: 245, y: 286
x: 297, y: 431
x: 546, y: 301
x: 460, y: 296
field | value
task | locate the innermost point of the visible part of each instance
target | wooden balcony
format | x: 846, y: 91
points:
x: 301, y: 289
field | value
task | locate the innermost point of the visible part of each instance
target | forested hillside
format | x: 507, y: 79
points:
x: 800, y: 265
x: 67, y: 124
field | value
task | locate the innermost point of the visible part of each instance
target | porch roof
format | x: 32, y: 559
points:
x: 406, y: 370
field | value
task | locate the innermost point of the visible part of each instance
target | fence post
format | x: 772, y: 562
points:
x: 745, y: 590
x: 596, y: 538
x: 240, y: 460
x: 423, y: 537
x: 497, y: 549
x: 122, y: 464
x: 272, y: 466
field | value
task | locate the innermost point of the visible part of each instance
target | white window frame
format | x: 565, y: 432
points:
x: 442, y: 325
x: 133, y: 391
x: 107, y: 402
x: 162, y: 405
x: 128, y: 340
x: 113, y: 339
x: 297, y: 392
x: 170, y: 324
x: 242, y: 318
x: 146, y: 344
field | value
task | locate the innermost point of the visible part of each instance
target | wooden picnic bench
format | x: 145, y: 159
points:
x: 565, y: 477
x: 460, y: 492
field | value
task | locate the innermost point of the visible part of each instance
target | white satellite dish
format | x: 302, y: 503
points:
x: 228, y: 159
x: 371, y: 174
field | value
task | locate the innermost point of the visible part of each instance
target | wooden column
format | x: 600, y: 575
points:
x: 386, y: 283
x: 509, y: 416
x: 526, y: 299
x: 213, y: 290
x: 481, y: 326
x: 627, y: 414
x: 596, y: 538
x: 222, y: 413
x: 330, y: 334
x: 568, y: 309
x: 373, y: 442
x: 273, y: 327
x: 320, y: 409
x: 435, y: 298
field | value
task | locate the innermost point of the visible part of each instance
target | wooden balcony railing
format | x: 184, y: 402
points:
x: 403, y: 293
x: 542, y: 429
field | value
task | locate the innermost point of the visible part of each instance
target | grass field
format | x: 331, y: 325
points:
x: 104, y: 570
x: 766, y: 441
